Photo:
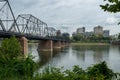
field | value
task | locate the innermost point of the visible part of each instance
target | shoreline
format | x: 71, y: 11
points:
x: 78, y: 43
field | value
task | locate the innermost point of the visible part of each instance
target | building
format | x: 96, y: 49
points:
x: 106, y: 33
x: 66, y: 35
x: 98, y: 30
x: 81, y: 30
x: 88, y: 34
x: 59, y: 33
x: 73, y: 34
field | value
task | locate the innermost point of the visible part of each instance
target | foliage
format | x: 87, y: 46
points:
x: 77, y: 37
x: 11, y: 62
x: 92, y: 38
x: 111, y: 6
x: 99, y: 70
x: 20, y: 68
x: 14, y: 68
x: 119, y: 36
x: 52, y: 74
x: 10, y: 48
x: 66, y: 36
x: 76, y: 74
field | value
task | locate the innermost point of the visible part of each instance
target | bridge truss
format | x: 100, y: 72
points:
x: 24, y: 24
x: 28, y: 24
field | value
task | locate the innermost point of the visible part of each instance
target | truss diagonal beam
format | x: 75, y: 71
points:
x: 8, y: 17
x: 29, y: 24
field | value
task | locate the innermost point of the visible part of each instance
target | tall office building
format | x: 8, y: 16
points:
x: 98, y: 30
x: 73, y: 34
x: 106, y: 33
x: 59, y: 33
x: 80, y: 30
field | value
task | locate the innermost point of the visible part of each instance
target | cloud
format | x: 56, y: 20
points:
x: 111, y: 20
x: 71, y: 13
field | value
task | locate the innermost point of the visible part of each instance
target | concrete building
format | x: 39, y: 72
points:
x: 87, y: 34
x: 66, y: 35
x: 106, y: 33
x: 73, y: 34
x: 80, y: 30
x: 98, y: 30
x: 59, y: 33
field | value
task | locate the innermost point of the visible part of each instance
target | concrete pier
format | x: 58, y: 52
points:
x: 24, y: 44
x: 63, y: 44
x: 45, y: 45
x: 49, y: 45
x: 56, y: 44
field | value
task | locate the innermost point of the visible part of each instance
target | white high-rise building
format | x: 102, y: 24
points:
x: 80, y: 30
x: 98, y: 30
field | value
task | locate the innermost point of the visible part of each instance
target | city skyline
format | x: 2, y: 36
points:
x: 97, y: 30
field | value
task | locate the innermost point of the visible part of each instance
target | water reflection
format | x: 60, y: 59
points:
x: 114, y: 60
x: 90, y: 47
x: 91, y: 52
x: 45, y: 57
x: 32, y: 50
x: 84, y: 56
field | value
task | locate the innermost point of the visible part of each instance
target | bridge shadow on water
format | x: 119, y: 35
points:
x: 44, y: 58
x: 47, y: 56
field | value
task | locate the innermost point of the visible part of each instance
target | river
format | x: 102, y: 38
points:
x: 82, y: 55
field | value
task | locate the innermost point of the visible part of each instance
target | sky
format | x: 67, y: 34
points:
x: 68, y: 15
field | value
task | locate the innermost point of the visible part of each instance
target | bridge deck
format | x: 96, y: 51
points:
x: 7, y: 34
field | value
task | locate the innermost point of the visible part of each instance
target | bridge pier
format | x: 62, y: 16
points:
x: 63, y: 44
x: 49, y: 45
x: 56, y: 44
x: 45, y: 45
x: 24, y: 44
x: 67, y: 43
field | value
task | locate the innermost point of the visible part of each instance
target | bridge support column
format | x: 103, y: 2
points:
x: 56, y: 44
x: 63, y: 44
x: 24, y: 44
x: 45, y: 45
x: 67, y: 43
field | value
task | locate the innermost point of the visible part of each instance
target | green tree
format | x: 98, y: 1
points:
x: 11, y: 48
x: 100, y: 69
x: 11, y: 65
x: 78, y: 37
x: 111, y: 6
x: 119, y: 36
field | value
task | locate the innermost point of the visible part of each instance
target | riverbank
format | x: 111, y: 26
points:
x: 96, y: 72
x: 12, y: 68
x: 81, y: 43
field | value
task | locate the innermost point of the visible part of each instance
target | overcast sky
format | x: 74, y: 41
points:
x: 68, y: 14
